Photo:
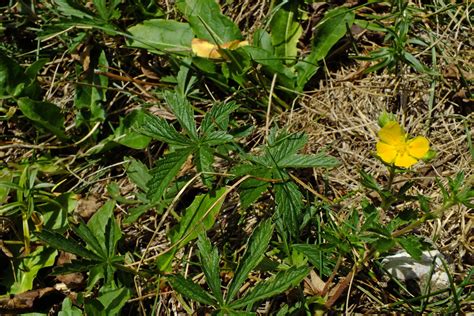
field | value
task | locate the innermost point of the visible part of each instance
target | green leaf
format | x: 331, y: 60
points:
x: 369, y: 182
x: 138, y: 173
x: 60, y: 242
x: 256, y: 246
x: 190, y: 289
x: 412, y: 245
x: 67, y: 309
x: 282, y: 145
x: 72, y: 9
x: 218, y: 117
x: 286, y: 31
x: 126, y: 134
x: 289, y: 204
x: 282, y: 281
x: 198, y: 217
x: 217, y: 138
x: 91, y: 240
x: 183, y: 111
x: 203, y: 161
x: 165, y: 171
x: 319, y: 160
x: 98, y: 225
x: 319, y: 257
x: 328, y: 32
x: 29, y: 267
x: 208, y: 22
x: 44, y: 114
x: 14, y: 80
x: 209, y: 258
x: 113, y: 299
x: 157, y: 128
x: 159, y: 35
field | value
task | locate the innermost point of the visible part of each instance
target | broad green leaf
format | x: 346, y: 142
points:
x: 209, y: 258
x: 412, y: 245
x: 60, y: 242
x: 113, y: 299
x: 159, y: 35
x: 263, y: 40
x: 208, y: 22
x: 67, y: 309
x: 320, y: 160
x: 183, y: 111
x: 218, y: 117
x: 328, y: 32
x: 138, y: 173
x: 98, y: 224
x: 165, y: 171
x: 198, y: 217
x: 289, y: 204
x: 71, y: 8
x: 126, y: 134
x: 157, y: 128
x: 282, y: 281
x: 14, y: 80
x: 190, y: 289
x: 45, y: 114
x: 29, y: 266
x: 256, y: 246
x: 286, y: 31
x: 55, y: 214
x: 91, y: 94
x: 320, y: 258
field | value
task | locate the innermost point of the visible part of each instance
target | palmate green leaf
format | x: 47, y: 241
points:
x: 29, y: 267
x: 208, y: 22
x: 209, y: 258
x: 321, y: 258
x: 217, y: 117
x: 286, y: 31
x: 157, y: 128
x: 60, y: 242
x: 126, y: 134
x: 282, y: 281
x: 165, y: 171
x: 190, y: 289
x: 282, y: 144
x: 217, y: 138
x: 328, y: 32
x: 183, y: 111
x: 289, y: 205
x: 138, y: 173
x: 319, y: 160
x: 103, y: 224
x: 90, y: 238
x: 256, y: 246
x: 45, y: 114
x: 158, y: 35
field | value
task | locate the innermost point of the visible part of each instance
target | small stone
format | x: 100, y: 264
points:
x: 412, y: 272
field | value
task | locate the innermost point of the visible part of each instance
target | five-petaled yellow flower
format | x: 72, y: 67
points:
x: 395, y: 147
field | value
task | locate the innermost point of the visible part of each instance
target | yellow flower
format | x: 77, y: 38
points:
x: 394, y: 146
x: 205, y: 49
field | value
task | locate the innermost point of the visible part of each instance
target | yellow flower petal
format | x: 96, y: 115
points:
x: 405, y: 160
x: 203, y: 48
x: 418, y: 147
x: 386, y: 152
x: 392, y: 134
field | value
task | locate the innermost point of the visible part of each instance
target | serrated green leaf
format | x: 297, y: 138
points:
x: 256, y: 246
x: 60, y: 242
x: 281, y: 145
x: 319, y: 257
x: 126, y: 134
x: 45, y: 114
x: 286, y: 31
x: 159, y: 35
x: 190, y: 289
x: 319, y: 160
x: 209, y: 258
x: 165, y: 171
x: 217, y: 138
x: 89, y: 237
x: 203, y: 161
x: 157, y: 128
x: 412, y: 245
x: 107, y: 236
x: 218, y: 117
x: 282, y: 281
x: 183, y: 111
x: 208, y: 22
x: 289, y: 204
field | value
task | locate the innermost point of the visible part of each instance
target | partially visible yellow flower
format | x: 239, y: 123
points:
x: 395, y: 147
x: 205, y: 49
